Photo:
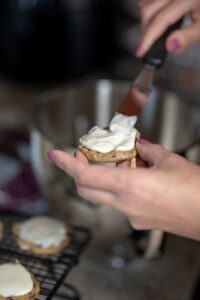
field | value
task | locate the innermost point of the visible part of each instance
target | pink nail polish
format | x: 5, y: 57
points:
x: 143, y: 142
x: 51, y: 156
x: 174, y: 45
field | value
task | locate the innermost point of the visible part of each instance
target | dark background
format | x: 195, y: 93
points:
x: 47, y: 41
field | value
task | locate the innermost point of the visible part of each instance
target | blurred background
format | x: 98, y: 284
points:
x: 64, y: 67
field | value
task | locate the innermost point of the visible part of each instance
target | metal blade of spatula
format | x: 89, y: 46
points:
x: 134, y: 101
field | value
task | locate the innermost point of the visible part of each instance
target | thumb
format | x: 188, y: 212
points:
x: 152, y: 153
x: 81, y: 157
x: 181, y: 39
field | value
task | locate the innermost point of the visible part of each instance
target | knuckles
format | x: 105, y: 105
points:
x: 143, y: 9
x: 81, y: 191
x: 139, y: 224
x: 170, y: 159
x: 136, y: 224
x: 81, y: 178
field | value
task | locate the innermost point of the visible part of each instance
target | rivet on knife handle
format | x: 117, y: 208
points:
x: 156, y: 55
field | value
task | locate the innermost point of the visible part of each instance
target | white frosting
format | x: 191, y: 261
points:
x: 15, y: 280
x: 122, y: 124
x: 120, y: 136
x: 43, y: 231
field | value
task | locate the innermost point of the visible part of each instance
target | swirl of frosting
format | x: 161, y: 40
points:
x: 120, y: 136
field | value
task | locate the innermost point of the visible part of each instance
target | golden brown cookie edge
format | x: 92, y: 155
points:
x: 110, y: 157
x: 30, y: 296
x: 31, y: 248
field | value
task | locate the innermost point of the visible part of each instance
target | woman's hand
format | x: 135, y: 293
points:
x: 158, y: 15
x: 165, y: 196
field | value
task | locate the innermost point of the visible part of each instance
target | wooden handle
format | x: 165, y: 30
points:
x: 133, y: 163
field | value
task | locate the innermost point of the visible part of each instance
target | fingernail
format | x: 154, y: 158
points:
x: 138, y: 52
x: 143, y: 142
x: 52, y: 156
x: 174, y: 45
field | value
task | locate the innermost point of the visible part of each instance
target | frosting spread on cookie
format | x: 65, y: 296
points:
x: 42, y: 231
x: 15, y: 280
x: 120, y: 136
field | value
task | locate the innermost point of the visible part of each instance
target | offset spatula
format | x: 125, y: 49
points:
x: 134, y: 101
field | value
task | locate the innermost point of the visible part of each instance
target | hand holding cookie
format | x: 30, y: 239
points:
x: 158, y: 197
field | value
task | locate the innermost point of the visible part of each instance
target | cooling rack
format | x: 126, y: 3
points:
x: 49, y: 270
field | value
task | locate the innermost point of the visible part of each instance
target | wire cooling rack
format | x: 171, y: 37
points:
x: 49, y: 270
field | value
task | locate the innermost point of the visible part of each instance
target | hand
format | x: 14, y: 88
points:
x: 165, y: 196
x: 158, y: 15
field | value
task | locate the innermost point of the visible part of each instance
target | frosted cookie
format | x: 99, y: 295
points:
x: 112, y: 145
x: 1, y: 230
x: 16, y: 283
x: 42, y: 235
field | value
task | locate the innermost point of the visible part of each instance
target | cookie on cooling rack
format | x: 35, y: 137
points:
x: 42, y: 235
x: 16, y: 283
x: 1, y: 230
x: 114, y: 144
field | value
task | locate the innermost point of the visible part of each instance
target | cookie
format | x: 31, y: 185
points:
x: 114, y: 156
x: 16, y: 283
x: 42, y: 235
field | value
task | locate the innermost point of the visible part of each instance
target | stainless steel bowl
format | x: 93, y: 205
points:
x: 63, y: 115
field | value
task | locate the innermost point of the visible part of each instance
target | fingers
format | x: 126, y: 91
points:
x: 92, y: 182
x: 66, y: 162
x: 149, y: 8
x: 105, y: 178
x: 167, y: 16
x: 140, y: 163
x: 95, y: 195
x: 124, y: 164
x: 81, y: 157
x: 151, y: 153
x: 181, y: 39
